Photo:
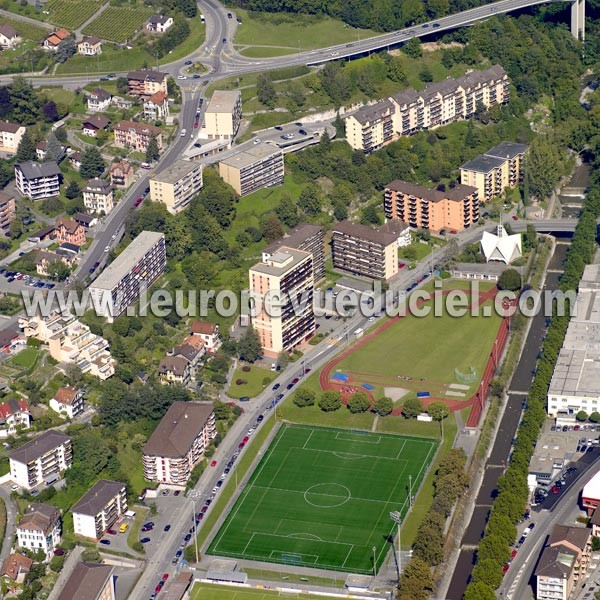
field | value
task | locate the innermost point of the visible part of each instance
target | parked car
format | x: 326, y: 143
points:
x: 105, y: 542
x: 166, y: 528
x: 145, y: 540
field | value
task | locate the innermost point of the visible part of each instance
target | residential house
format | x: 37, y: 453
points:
x: 44, y: 258
x: 563, y: 563
x: 14, y: 416
x: 90, y: 581
x: 208, y: 333
x: 9, y: 37
x: 400, y: 229
x: 158, y: 23
x: 10, y: 136
x: 175, y: 370
x: 39, y: 529
x: 156, y: 107
x: 75, y: 159
x: 9, y: 337
x: 122, y: 174
x: 146, y: 82
x: 99, y: 100
x: 98, y: 196
x: 47, y: 233
x: 41, y: 149
x: 69, y: 232
x: 67, y: 401
x: 7, y: 210
x: 72, y: 342
x: 38, y: 180
x: 90, y: 45
x: 92, y: 125
x: 99, y: 509
x: 178, y: 443
x: 119, y: 102
x: 85, y: 220
x: 16, y: 567
x: 41, y: 460
x: 136, y: 136
x: 52, y: 40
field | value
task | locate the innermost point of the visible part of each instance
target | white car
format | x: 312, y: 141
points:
x: 107, y: 249
x: 14, y: 487
x: 181, y: 77
x: 256, y: 141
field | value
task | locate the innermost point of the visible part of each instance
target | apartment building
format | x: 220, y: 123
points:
x: 137, y: 267
x: 68, y: 231
x: 72, y: 342
x: 178, y: 443
x: 147, y: 82
x: 39, y: 529
x: 90, y: 581
x: 90, y: 45
x: 38, y: 180
x: 286, y: 274
x: 136, y: 136
x: 121, y: 174
x: 176, y: 185
x: 7, y: 210
x: 42, y: 460
x: 371, y: 127
x: 364, y: 251
x: 563, y: 563
x: 455, y: 208
x: 67, y: 401
x: 438, y: 104
x: 14, y: 417
x: 98, y: 100
x: 400, y: 229
x: 98, y: 196
x: 496, y: 170
x: 307, y: 237
x: 207, y: 333
x: 10, y: 136
x: 99, y: 509
x: 223, y: 114
x: 156, y: 106
x: 9, y: 37
x: 257, y: 167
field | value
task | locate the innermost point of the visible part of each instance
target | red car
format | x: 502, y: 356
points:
x: 213, y: 463
x: 165, y: 577
x: 245, y: 440
x: 513, y: 554
x: 515, y: 218
x: 195, y: 124
x: 138, y: 202
x: 505, y: 568
x: 554, y: 489
x: 111, y: 532
x: 401, y: 265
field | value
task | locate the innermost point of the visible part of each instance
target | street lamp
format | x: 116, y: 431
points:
x: 410, y: 496
x: 397, y: 518
x: 194, y: 495
x: 374, y: 562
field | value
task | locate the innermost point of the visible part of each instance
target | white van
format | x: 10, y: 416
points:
x: 183, y: 132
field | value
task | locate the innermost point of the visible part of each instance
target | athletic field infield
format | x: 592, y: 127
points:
x: 321, y: 497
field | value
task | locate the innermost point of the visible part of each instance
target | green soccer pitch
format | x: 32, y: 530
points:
x: 321, y: 498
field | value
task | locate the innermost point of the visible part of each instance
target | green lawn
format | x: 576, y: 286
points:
x: 25, y: 359
x: 207, y: 591
x: 264, y: 51
x: 133, y: 535
x: 27, y: 31
x: 118, y: 23
x: 293, y: 31
x: 254, y: 382
x: 321, y: 498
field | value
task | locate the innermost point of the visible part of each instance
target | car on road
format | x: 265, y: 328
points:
x: 195, y: 124
x: 188, y: 537
x: 276, y: 386
x: 425, y: 26
x: 505, y: 568
x: 554, y: 489
x: 195, y: 76
x: 515, y: 218
x: 58, y: 552
x: 245, y: 440
x: 302, y: 132
x: 181, y: 77
x: 436, y: 25
x: 166, y: 528
x: 149, y: 524
x: 105, y: 542
x: 229, y: 16
x: 145, y: 540
x: 165, y: 576
x: 278, y: 397
x: 219, y: 483
x: 111, y: 532
x: 188, y: 62
x: 250, y: 431
x: 203, y: 509
x: 92, y: 270
x: 107, y: 249
x: 245, y: 399
x: 176, y: 492
x: 178, y: 553
x: 279, y: 127
x: 298, y: 124
x: 295, y: 381
x: 197, y: 145
x: 213, y: 463
x: 260, y: 418
x: 256, y: 141
x: 224, y: 40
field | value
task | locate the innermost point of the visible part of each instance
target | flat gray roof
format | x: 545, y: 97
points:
x: 279, y: 258
x: 483, y: 163
x: 111, y: 276
x: 173, y: 173
x: 245, y: 158
x: 507, y: 150
x: 553, y: 448
x: 223, y: 101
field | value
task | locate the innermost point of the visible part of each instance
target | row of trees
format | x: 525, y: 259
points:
x: 508, y: 507
x: 331, y: 400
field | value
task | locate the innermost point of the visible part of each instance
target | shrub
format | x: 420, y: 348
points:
x: 246, y: 369
x: 240, y: 382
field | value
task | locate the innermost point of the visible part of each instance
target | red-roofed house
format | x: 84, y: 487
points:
x: 67, y: 401
x: 208, y: 333
x: 14, y: 413
x: 157, y: 106
x: 52, y: 40
x: 15, y: 567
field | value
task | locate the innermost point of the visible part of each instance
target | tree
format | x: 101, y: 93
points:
x: 66, y: 48
x: 412, y: 48
x: 595, y: 417
x: 509, y: 279
x: 54, y: 149
x: 488, y: 571
x: 152, y: 152
x: 425, y: 75
x: 415, y: 582
x: 478, y: 590
x: 272, y: 229
x: 370, y: 215
x: 50, y: 111
x: 330, y: 401
x: 73, y: 190
x: 309, y: 200
x: 429, y: 544
x: 412, y: 407
x: 383, y: 406
x: 287, y: 211
x: 58, y: 270
x: 249, y: 346
x: 581, y: 416
x: 24, y: 101
x: 26, y: 149
x: 304, y: 397
x: 92, y: 164
x: 122, y: 85
x: 265, y: 90
x: 530, y: 237
x: 15, y: 229
x: 438, y: 411
x: 359, y: 403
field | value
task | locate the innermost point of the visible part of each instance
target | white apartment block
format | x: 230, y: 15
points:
x: 71, y: 341
x: 223, y: 115
x: 98, y: 196
x: 176, y: 185
x: 178, y: 442
x: 99, y: 509
x: 40, y: 529
x: 38, y: 180
x: 41, y: 460
x: 10, y: 136
x: 136, y: 268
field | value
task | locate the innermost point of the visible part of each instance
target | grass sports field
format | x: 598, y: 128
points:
x: 208, y: 591
x: 321, y: 497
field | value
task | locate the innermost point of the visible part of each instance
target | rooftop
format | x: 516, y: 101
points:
x: 9, y: 127
x: 39, y: 446
x: 507, y: 150
x: 147, y: 75
x: 39, y: 517
x: 223, y: 101
x: 86, y: 582
x: 457, y: 193
x: 251, y: 155
x: 173, y: 173
x: 364, y: 232
x: 139, y: 128
x: 97, y: 185
x: 178, y: 429
x: 127, y: 260
x: 295, y: 238
x: 374, y: 112
x: 97, y: 121
x: 66, y: 395
x: 97, y: 497
x: 35, y: 170
x: 281, y: 262
x: 483, y: 164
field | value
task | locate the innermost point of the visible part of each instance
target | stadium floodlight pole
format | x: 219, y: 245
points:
x: 374, y: 562
x: 410, y: 496
x: 397, y: 518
